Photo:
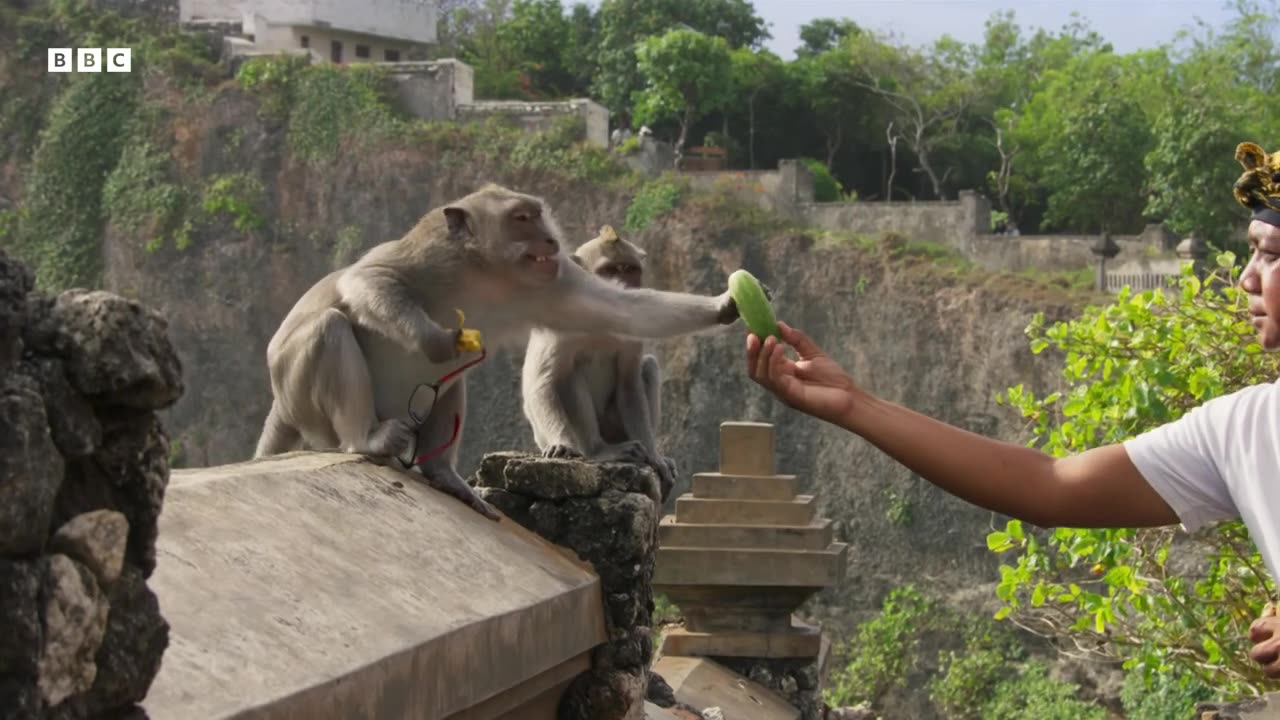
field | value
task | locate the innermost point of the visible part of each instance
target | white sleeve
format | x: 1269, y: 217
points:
x: 1186, y: 462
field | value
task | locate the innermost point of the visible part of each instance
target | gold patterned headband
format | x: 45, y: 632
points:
x: 1259, y: 187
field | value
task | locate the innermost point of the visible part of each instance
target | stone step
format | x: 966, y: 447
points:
x: 744, y: 487
x: 802, y: 642
x: 704, y: 683
x: 751, y: 567
x: 694, y: 510
x: 746, y: 448
x: 814, y: 536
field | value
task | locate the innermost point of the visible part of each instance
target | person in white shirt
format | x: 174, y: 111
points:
x: 1218, y: 461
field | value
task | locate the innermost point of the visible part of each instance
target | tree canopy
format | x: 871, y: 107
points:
x: 1061, y: 132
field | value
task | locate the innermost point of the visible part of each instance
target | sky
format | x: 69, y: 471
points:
x: 1128, y: 24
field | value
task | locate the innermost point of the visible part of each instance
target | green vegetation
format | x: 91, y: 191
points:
x: 655, y: 198
x: 983, y: 670
x: 1139, y: 362
x: 826, y: 188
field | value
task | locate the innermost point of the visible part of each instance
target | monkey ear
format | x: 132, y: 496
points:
x: 458, y: 220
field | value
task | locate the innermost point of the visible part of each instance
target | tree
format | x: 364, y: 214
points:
x: 1088, y: 135
x: 929, y: 94
x: 828, y: 84
x: 543, y: 45
x: 753, y: 73
x: 1118, y: 594
x: 824, y: 34
x: 687, y: 75
x: 624, y: 24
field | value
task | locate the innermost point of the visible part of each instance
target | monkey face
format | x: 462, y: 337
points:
x: 629, y: 274
x: 511, y: 230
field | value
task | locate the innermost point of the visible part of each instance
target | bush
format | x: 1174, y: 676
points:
x: 1140, y: 362
x: 826, y: 188
x: 656, y: 198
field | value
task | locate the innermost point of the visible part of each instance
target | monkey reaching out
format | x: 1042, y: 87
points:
x: 597, y: 396
x: 348, y: 362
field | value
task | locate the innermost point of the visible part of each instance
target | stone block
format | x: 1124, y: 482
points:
x: 802, y: 641
x: 747, y: 448
x: 817, y: 535
x: 751, y: 567
x: 703, y: 683
x: 744, y: 487
x: 799, y: 511
x: 323, y: 585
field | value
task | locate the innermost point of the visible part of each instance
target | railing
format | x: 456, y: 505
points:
x: 1138, y: 282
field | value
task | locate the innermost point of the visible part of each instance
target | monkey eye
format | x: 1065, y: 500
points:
x: 522, y: 216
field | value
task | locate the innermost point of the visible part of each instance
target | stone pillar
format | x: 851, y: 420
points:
x: 607, y: 513
x: 741, y: 553
x: 1193, y: 250
x: 1104, y: 249
x: 83, y: 471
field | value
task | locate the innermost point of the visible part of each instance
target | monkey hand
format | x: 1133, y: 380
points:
x: 729, y: 309
x: 442, y: 345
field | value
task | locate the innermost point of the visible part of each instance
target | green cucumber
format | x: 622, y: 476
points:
x: 753, y: 305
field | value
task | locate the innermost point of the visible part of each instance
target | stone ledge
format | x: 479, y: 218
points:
x: 798, y: 511
x: 816, y: 535
x: 751, y: 567
x: 323, y: 585
x: 744, y: 487
x: 803, y: 641
x: 703, y: 683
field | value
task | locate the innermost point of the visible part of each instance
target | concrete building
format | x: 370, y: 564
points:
x: 339, y: 31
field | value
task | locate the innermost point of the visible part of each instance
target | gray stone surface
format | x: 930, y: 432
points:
x: 83, y: 469
x: 324, y: 585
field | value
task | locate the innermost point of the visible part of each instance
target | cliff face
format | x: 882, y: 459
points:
x: 911, y: 331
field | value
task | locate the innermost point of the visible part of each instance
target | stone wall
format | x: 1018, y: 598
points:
x: 534, y: 116
x: 782, y: 191
x: 83, y: 471
x: 608, y: 515
x: 434, y: 89
x: 952, y: 223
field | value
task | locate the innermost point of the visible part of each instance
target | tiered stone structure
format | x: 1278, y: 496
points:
x: 741, y: 553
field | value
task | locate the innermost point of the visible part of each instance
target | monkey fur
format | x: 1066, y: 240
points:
x: 349, y: 356
x: 597, y: 396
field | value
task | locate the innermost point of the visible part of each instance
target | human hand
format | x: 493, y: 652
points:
x: 1264, y: 633
x: 815, y: 384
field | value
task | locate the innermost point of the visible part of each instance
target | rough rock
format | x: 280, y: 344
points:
x: 75, y: 621
x: 659, y: 692
x: 96, y: 540
x: 1266, y: 707
x: 83, y: 470
x: 605, y: 513
x: 117, y: 351
x: 30, y: 468
x: 795, y: 679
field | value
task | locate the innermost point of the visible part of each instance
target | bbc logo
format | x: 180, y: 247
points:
x: 91, y: 59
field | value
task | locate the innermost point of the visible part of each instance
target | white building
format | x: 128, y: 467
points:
x: 337, y: 31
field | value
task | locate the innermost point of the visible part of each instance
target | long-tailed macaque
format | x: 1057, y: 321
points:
x: 350, y: 361
x: 597, y: 396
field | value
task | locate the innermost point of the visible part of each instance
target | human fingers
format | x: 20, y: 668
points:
x: 1266, y: 652
x: 762, y: 361
x: 803, y: 344
x: 1263, y: 628
x: 753, y: 355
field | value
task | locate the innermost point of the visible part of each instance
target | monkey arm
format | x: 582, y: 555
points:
x: 582, y: 302
x: 560, y: 408
x: 379, y: 301
x: 633, y: 401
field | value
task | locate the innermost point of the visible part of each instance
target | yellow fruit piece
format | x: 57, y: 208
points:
x: 468, y: 340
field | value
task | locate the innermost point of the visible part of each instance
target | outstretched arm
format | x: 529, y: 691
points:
x: 582, y: 302
x: 1098, y: 488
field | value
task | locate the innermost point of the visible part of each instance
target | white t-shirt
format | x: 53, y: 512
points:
x: 1221, y: 461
